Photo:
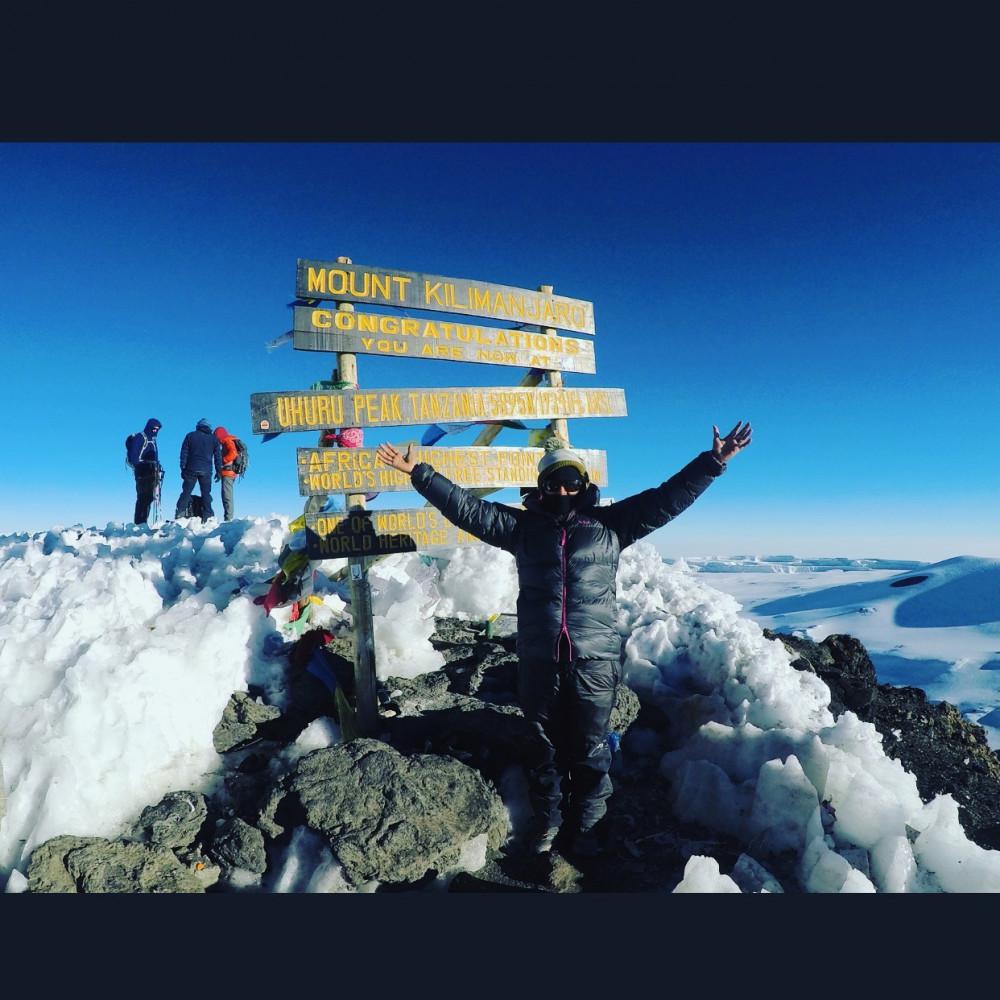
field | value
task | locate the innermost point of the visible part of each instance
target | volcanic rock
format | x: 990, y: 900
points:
x: 237, y: 844
x: 240, y: 719
x: 173, y: 822
x: 388, y: 816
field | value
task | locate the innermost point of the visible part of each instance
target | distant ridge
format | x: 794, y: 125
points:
x: 790, y: 564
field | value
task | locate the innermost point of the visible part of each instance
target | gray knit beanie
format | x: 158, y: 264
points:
x: 558, y: 456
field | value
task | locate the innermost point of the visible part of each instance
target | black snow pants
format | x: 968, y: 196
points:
x: 188, y: 480
x: 145, y: 493
x: 569, y: 707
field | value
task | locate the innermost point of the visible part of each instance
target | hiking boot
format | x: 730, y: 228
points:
x: 586, y: 844
x: 540, y: 841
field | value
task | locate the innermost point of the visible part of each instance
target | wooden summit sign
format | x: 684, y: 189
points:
x: 345, y: 470
x: 381, y: 532
x: 395, y: 336
x: 387, y: 286
x: 272, y: 412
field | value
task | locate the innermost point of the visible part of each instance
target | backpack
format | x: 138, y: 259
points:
x: 195, y: 507
x: 242, y: 459
x: 128, y: 446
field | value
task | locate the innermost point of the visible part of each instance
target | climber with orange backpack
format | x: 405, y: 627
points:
x: 234, y: 465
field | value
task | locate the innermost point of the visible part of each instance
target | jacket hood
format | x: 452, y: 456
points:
x: 221, y: 433
x: 150, y: 424
x: 203, y: 425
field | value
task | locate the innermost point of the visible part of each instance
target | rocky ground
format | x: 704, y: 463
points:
x: 424, y: 801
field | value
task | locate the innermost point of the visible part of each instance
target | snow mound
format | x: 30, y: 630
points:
x: 757, y: 754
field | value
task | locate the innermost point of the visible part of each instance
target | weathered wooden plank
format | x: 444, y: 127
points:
x: 316, y: 329
x: 381, y: 532
x: 306, y: 410
x: 342, y: 470
x: 316, y: 279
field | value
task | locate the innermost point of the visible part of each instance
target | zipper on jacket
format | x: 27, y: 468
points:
x: 564, y: 631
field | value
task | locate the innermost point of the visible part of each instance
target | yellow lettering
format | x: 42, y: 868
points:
x: 381, y: 286
x: 342, y: 275
x: 430, y: 330
x: 390, y: 324
x: 367, y: 323
x: 343, y: 320
x: 316, y: 280
x: 401, y: 284
x: 410, y: 327
x: 432, y: 292
x: 362, y: 292
x: 321, y: 318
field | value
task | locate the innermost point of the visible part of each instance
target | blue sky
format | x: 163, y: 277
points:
x: 844, y: 298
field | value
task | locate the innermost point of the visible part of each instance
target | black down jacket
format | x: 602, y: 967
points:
x: 566, y: 564
x: 200, y: 449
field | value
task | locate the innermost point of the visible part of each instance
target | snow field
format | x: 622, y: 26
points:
x: 120, y: 647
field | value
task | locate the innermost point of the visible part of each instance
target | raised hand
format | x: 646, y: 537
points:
x: 735, y: 441
x: 392, y: 456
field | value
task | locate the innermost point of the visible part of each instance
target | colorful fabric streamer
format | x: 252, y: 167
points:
x: 435, y: 432
x: 285, y: 338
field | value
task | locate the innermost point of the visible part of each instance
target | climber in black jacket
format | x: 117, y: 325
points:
x: 567, y: 548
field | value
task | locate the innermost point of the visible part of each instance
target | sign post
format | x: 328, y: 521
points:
x: 540, y: 331
x: 559, y: 427
x: 365, y: 697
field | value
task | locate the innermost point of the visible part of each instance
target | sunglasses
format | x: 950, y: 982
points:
x: 573, y: 486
